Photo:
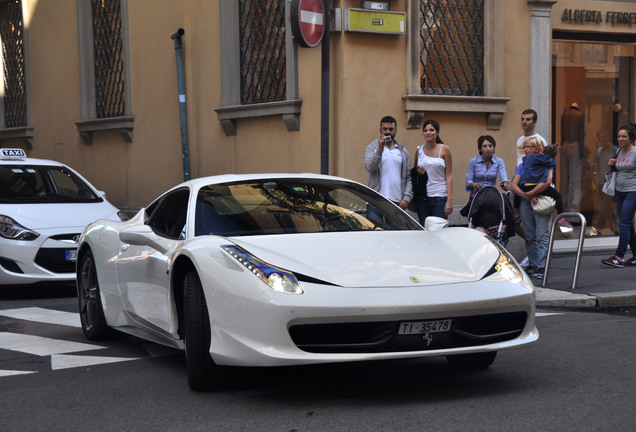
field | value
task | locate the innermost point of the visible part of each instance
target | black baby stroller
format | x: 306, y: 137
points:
x: 491, y: 210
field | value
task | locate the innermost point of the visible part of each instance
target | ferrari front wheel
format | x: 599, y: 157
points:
x: 203, y: 373
x: 90, y: 303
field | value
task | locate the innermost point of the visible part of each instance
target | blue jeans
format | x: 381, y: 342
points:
x: 536, y: 229
x: 431, y: 206
x: 626, y: 207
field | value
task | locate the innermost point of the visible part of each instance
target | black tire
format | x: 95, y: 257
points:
x: 203, y: 373
x: 90, y: 303
x: 471, y: 362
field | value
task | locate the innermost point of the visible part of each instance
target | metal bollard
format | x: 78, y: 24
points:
x: 578, y: 251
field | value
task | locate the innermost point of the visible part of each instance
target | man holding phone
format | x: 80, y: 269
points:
x: 389, y: 165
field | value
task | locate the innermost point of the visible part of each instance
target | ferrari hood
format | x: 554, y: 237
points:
x: 379, y: 258
x: 56, y: 216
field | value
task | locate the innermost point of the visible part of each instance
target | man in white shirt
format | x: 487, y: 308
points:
x: 389, y: 165
x: 528, y: 123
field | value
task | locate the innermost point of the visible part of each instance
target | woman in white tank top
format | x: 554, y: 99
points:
x: 434, y: 158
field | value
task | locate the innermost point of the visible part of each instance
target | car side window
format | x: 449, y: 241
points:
x: 168, y: 218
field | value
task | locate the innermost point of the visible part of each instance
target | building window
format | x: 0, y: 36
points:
x: 452, y: 47
x: 258, y: 67
x: 104, y: 72
x: 262, y: 41
x: 14, y: 109
x: 455, y: 59
x: 110, y: 89
x: 13, y: 64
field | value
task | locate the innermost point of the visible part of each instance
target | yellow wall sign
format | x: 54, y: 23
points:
x: 372, y: 21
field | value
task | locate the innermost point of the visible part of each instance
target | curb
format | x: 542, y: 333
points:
x: 546, y: 297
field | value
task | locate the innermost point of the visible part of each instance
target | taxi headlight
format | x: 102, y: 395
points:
x: 278, y: 279
x: 12, y: 230
x: 505, y: 265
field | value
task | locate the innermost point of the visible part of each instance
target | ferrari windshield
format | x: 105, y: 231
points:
x: 283, y: 206
x: 34, y: 184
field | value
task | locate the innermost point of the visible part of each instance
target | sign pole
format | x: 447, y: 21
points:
x: 324, y: 109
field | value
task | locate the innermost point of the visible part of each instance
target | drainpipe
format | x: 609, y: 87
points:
x: 185, y: 148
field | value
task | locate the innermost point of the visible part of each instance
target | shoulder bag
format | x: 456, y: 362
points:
x: 609, y: 187
x: 545, y: 205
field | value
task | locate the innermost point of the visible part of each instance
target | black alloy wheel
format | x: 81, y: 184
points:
x: 90, y: 304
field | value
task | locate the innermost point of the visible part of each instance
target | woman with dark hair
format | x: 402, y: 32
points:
x: 625, y: 166
x: 434, y: 157
x: 484, y: 169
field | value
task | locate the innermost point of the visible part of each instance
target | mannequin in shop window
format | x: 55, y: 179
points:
x: 572, y: 157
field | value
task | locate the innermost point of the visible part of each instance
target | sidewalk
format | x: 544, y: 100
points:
x: 598, y: 285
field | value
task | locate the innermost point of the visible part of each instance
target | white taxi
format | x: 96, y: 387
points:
x: 44, y: 207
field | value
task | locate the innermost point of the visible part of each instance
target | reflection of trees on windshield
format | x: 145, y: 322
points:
x: 293, y: 206
x: 316, y: 202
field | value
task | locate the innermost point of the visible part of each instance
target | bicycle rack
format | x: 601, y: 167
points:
x: 578, y: 251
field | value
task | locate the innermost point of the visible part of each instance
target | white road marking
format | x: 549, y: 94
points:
x: 542, y: 314
x: 41, y: 346
x: 47, y: 316
x: 5, y: 373
x: 62, y: 361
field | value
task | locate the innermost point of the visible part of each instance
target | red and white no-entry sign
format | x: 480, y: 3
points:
x: 308, y: 22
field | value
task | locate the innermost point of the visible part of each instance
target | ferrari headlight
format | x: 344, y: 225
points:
x: 12, y: 230
x: 505, y: 265
x: 278, y: 279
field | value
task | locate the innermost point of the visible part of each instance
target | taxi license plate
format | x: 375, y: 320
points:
x: 71, y: 255
x: 418, y: 327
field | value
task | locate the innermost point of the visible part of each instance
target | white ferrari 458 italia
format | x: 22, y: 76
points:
x: 290, y: 269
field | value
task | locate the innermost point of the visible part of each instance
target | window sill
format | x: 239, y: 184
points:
x: 417, y: 105
x: 21, y: 133
x: 123, y: 125
x: 289, y: 110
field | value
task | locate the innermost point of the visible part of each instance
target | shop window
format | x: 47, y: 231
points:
x: 594, y: 74
x: 14, y: 109
x: 455, y: 60
x: 258, y: 70
x: 104, y: 74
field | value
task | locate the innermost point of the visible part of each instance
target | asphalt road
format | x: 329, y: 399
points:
x: 578, y: 377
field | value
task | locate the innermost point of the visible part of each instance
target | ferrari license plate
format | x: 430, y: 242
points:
x: 71, y: 255
x: 417, y: 327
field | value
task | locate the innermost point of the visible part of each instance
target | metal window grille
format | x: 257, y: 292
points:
x: 452, y: 47
x: 11, y: 31
x: 262, y: 54
x: 110, y: 95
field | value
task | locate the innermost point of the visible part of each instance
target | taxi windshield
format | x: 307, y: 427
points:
x: 33, y: 184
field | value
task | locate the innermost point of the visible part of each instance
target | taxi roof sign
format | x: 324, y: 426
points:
x: 12, y: 153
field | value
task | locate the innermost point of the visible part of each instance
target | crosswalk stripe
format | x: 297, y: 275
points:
x: 62, y: 361
x: 47, y: 316
x: 41, y: 346
x: 6, y: 373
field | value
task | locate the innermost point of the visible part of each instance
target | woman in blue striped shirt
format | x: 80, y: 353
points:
x: 484, y: 169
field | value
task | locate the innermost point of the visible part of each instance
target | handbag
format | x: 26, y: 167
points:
x: 419, y: 181
x: 545, y: 205
x: 609, y: 187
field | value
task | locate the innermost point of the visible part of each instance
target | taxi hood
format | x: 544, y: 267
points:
x: 379, y: 258
x: 73, y: 216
